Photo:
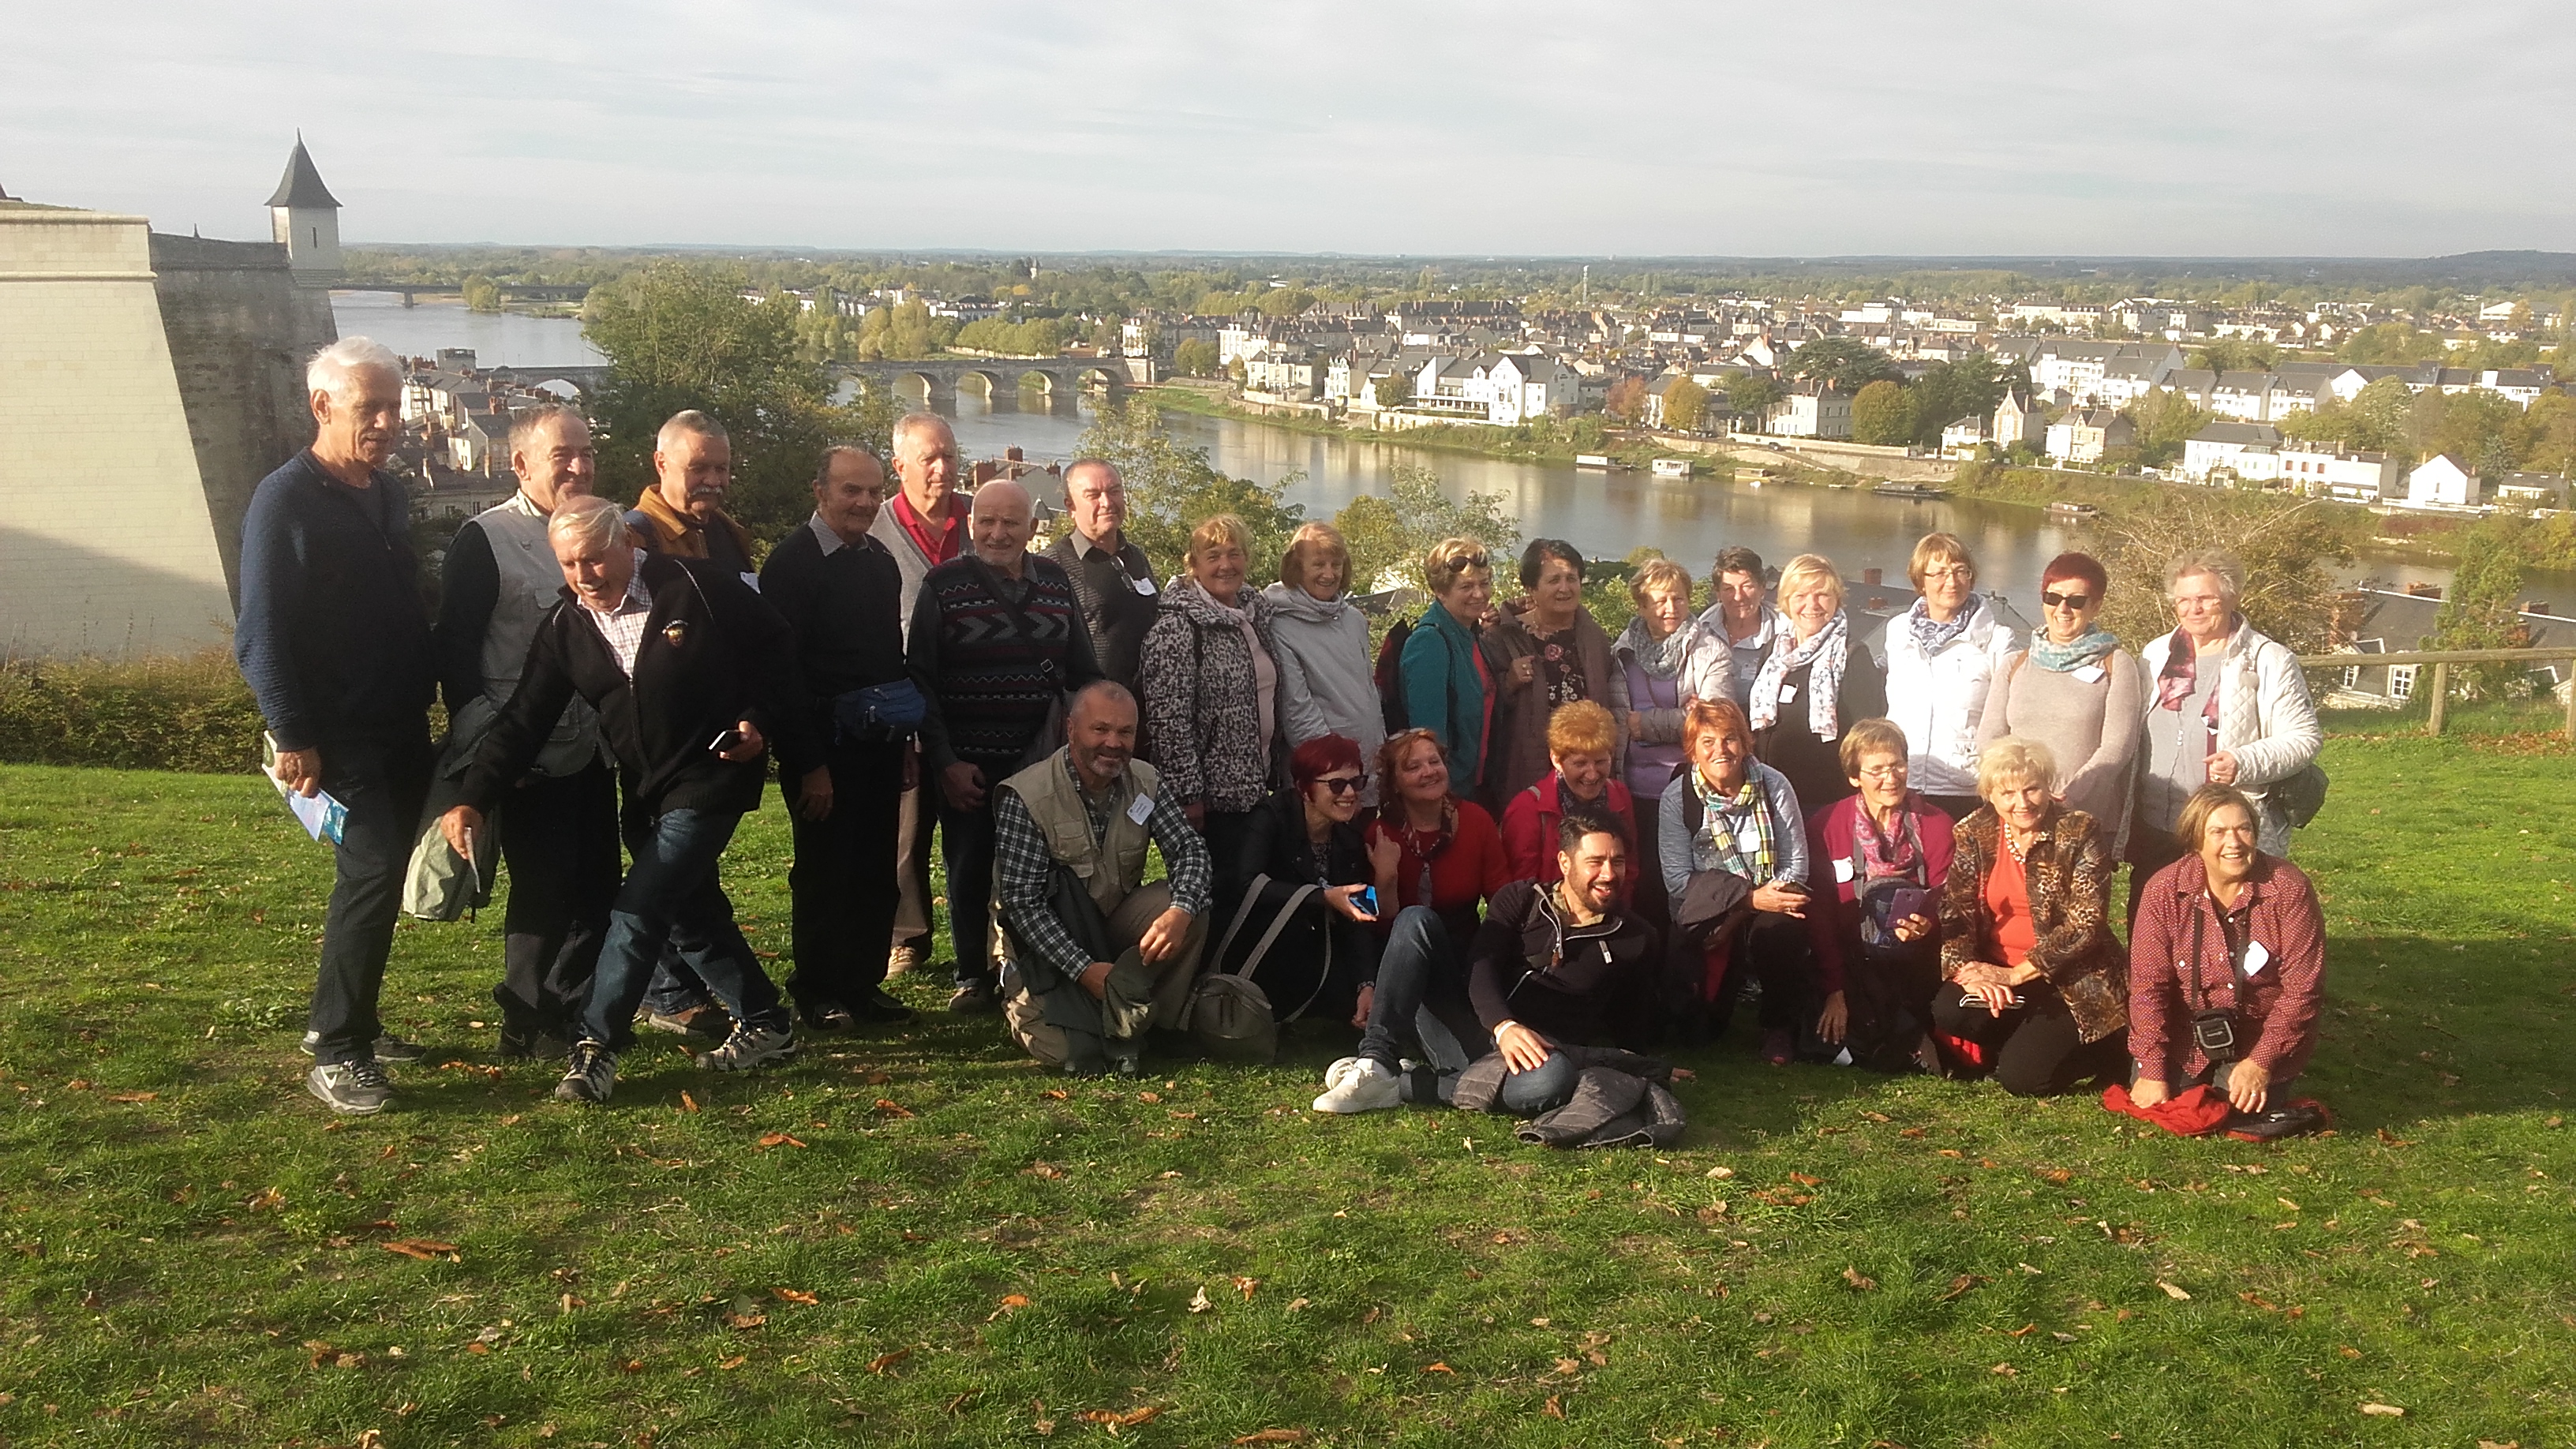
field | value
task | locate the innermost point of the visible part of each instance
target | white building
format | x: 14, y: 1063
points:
x: 2321, y: 469
x: 2443, y: 482
x: 2249, y: 451
x: 1810, y: 410
x: 304, y: 218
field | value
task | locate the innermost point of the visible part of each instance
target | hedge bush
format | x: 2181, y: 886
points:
x: 187, y: 712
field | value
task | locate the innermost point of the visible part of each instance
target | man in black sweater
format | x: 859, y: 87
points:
x: 690, y: 672
x: 335, y: 644
x: 1111, y: 575
x: 841, y: 592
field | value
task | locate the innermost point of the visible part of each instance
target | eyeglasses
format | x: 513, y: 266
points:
x: 1339, y: 784
x: 1954, y: 571
x: 2065, y: 601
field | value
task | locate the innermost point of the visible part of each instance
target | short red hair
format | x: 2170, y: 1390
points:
x: 2083, y: 568
x: 1321, y: 756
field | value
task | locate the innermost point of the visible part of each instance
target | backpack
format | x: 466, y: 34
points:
x: 1389, y: 674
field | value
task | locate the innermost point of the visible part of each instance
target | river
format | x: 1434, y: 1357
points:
x: 1605, y: 514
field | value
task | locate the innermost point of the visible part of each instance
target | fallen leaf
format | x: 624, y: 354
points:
x: 688, y: 1103
x: 959, y: 1402
x: 2384, y: 1411
x: 1015, y: 1300
x: 746, y: 1320
x: 1721, y: 1173
x: 1043, y: 1169
x: 1961, y: 1284
x: 631, y: 1366
x: 1149, y: 1097
x: 133, y: 1096
x: 893, y: 1108
x: 735, y: 1362
x: 425, y: 1249
x: 1245, y: 1286
x: 793, y: 1295
x: 1854, y: 1278
x: 2390, y: 1139
x: 2007, y: 1370
x: 1803, y: 1180
x: 1274, y: 1436
x: 1056, y: 1094
x: 1296, y: 1303
x: 779, y: 1139
x: 885, y: 1361
x: 1114, y: 1420
x: 2025, y: 1331
x: 1199, y: 1301
x: 1949, y: 1151
x: 1878, y: 1116
x: 2056, y: 1174
x: 1910, y: 1132
x: 2171, y: 1291
x: 1554, y: 1408
x: 267, y: 1199
x: 1438, y: 1368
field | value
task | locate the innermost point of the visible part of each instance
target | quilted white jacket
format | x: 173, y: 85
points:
x: 2265, y: 715
x: 1939, y: 699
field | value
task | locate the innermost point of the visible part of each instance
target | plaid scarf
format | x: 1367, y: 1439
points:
x: 1736, y: 835
x: 1827, y: 651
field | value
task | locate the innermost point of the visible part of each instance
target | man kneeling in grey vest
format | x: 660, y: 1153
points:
x: 1093, y: 957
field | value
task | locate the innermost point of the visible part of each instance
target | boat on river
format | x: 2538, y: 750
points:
x: 2064, y: 508
x: 1672, y: 467
x: 1911, y: 492
x: 1593, y: 460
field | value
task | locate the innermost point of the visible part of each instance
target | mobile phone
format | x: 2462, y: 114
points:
x: 1366, y: 900
x: 723, y: 742
x: 1906, y: 901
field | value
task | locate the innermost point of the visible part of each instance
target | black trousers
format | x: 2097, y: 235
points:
x: 843, y: 882
x: 383, y: 783
x: 2032, y: 1051
x: 1647, y: 895
x: 1775, y: 950
x: 966, y: 848
x: 559, y: 840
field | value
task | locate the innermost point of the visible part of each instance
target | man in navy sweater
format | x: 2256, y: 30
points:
x: 335, y: 644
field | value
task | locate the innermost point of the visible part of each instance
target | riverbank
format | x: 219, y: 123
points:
x: 1548, y: 441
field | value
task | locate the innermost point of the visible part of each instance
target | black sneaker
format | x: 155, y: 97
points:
x: 748, y: 1047
x: 974, y: 998
x: 873, y: 1004
x: 591, y: 1077
x: 357, y: 1088
x: 2291, y: 1119
x: 533, y: 1044
x: 389, y: 1047
x: 828, y: 1016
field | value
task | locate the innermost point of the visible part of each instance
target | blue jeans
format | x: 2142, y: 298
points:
x: 1422, y: 1003
x: 672, y: 894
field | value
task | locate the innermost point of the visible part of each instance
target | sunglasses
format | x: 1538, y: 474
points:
x: 1339, y: 784
x: 2065, y: 601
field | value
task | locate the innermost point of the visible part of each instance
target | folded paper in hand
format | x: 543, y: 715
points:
x: 321, y: 816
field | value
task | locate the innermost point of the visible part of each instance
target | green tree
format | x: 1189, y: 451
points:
x: 1882, y: 415
x: 482, y: 294
x: 1949, y: 391
x: 2390, y: 344
x: 678, y: 336
x: 2380, y: 413
x: 1171, y: 487
x: 1752, y: 395
x: 1847, y: 363
x: 2482, y: 609
x: 2549, y: 427
x: 2165, y: 421
x: 1281, y: 302
x: 1685, y: 405
x: 2236, y: 354
x: 1390, y: 533
x: 1194, y: 358
x: 1393, y: 390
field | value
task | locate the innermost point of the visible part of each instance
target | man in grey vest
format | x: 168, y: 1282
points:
x: 1095, y: 957
x: 558, y: 827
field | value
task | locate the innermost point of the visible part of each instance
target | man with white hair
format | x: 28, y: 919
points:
x: 559, y: 830
x: 923, y: 525
x: 997, y: 641
x: 682, y: 513
x: 335, y: 643
x: 1111, y: 575
x: 691, y: 673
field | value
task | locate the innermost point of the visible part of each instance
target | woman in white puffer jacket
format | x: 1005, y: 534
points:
x: 1321, y: 645
x: 1943, y: 657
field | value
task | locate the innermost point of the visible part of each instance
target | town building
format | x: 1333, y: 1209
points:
x: 2246, y: 452
x: 2084, y: 435
x: 2443, y: 481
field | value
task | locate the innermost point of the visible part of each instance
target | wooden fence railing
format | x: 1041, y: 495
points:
x: 2442, y: 660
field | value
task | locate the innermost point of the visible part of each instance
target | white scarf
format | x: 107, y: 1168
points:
x: 1827, y: 650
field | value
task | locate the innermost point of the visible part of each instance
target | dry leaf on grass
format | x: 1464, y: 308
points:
x: 1056, y: 1094
x: 746, y: 1320
x: 885, y: 1361
x: 1554, y: 1408
x: 793, y: 1295
x: 425, y: 1249
x: 1962, y: 1284
x: 1721, y: 1173
x: 1199, y: 1300
x: 1854, y: 1278
x: 2056, y: 1174
x: 1803, y: 1180
x: 1274, y: 1436
x: 1878, y: 1116
x: 735, y: 1362
x: 1113, y: 1420
x: 1245, y: 1286
x: 2007, y: 1370
x: 2383, y: 1411
x: 1439, y: 1368
x: 2177, y: 1294
x: 779, y: 1139
x: 893, y: 1108
x: 133, y: 1096
x: 688, y: 1103
x: 1043, y: 1169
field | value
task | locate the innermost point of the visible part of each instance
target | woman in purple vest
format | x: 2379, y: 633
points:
x: 1670, y: 658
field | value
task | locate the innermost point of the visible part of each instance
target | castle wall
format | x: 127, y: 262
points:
x: 240, y: 332
x: 106, y: 542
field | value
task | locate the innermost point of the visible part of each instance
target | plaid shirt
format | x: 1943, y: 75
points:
x: 2170, y: 981
x: 623, y: 626
x: 1022, y: 865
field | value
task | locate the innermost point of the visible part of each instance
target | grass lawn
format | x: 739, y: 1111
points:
x: 915, y: 1237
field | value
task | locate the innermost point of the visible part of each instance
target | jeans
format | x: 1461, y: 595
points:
x: 843, y: 882
x: 559, y: 841
x: 383, y: 784
x: 672, y: 895
x: 2033, y: 1051
x: 966, y: 845
x: 1421, y: 1002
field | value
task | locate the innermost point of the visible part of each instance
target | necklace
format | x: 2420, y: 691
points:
x: 2020, y: 850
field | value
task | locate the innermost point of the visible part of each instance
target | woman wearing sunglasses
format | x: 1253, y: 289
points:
x: 1303, y: 859
x: 2078, y: 692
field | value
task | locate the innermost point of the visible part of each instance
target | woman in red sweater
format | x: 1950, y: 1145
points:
x: 1427, y: 846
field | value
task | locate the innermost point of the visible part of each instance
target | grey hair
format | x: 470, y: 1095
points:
x: 688, y: 420
x: 1104, y: 689
x: 591, y: 520
x: 911, y: 423
x: 330, y: 369
x: 1078, y: 464
x: 823, y: 469
x: 2218, y: 563
x: 525, y: 426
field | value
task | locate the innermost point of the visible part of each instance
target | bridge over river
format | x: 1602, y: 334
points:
x: 940, y: 378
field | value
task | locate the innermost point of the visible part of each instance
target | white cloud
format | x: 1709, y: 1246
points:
x: 2334, y: 127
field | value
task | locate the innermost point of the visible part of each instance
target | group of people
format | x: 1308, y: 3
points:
x: 1510, y: 844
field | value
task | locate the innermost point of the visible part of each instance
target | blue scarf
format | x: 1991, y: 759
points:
x: 1931, y: 634
x: 2085, y: 648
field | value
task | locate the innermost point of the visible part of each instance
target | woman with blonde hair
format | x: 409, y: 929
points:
x: 1443, y: 679
x: 1944, y: 656
x: 1579, y: 740
x: 1670, y: 657
x: 1210, y: 683
x: 1322, y: 647
x: 1814, y: 684
x: 2037, y: 989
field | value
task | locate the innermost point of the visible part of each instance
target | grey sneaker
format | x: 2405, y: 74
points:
x: 591, y: 1077
x: 389, y: 1047
x: 749, y: 1047
x: 357, y: 1088
x: 707, y: 1023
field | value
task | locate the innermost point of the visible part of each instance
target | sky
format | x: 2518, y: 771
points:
x: 1601, y: 128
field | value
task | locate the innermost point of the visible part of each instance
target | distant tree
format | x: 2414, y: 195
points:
x: 2165, y: 420
x: 2478, y: 428
x: 482, y: 294
x: 1389, y: 534
x: 1847, y: 363
x: 1627, y: 399
x: 1236, y: 371
x: 1393, y: 390
x: 2390, y: 344
x: 2549, y: 426
x: 1685, y: 405
x: 1194, y: 358
x: 1171, y: 487
x: 2483, y: 607
x: 1882, y: 415
x: 1752, y: 395
x: 2236, y: 354
x: 1949, y: 391
x: 1284, y: 302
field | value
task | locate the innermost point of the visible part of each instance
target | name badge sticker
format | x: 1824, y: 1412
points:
x: 1788, y: 692
x: 1141, y: 809
x: 2090, y: 673
x: 1144, y: 586
x: 1843, y: 871
x: 2257, y: 956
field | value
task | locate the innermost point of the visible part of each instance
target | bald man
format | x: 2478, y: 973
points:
x: 997, y: 641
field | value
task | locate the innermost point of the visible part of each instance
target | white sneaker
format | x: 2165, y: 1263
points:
x: 1339, y: 1072
x: 1370, y: 1087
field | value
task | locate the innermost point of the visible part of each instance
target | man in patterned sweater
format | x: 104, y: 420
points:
x: 997, y: 642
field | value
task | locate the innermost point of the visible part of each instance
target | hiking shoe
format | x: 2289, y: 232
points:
x: 357, y: 1088
x: 707, y: 1022
x: 748, y: 1047
x: 874, y: 1005
x: 974, y: 999
x: 591, y: 1077
x: 1369, y: 1087
x: 906, y: 958
x: 828, y: 1016
x: 389, y: 1047
x: 1779, y: 1046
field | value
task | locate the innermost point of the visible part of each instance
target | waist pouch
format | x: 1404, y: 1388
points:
x: 878, y: 714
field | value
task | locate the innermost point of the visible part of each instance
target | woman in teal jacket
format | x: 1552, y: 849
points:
x: 1446, y: 690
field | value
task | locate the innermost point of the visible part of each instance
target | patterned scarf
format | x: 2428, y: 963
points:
x: 1828, y: 650
x: 1658, y: 658
x: 1880, y: 856
x: 1748, y: 850
x: 2093, y: 644
x: 2181, y: 674
x: 1931, y: 634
